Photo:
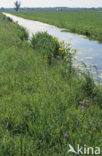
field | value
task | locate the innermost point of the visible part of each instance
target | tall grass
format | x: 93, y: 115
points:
x: 86, y: 22
x: 42, y: 110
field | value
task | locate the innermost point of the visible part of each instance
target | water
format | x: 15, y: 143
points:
x: 88, y: 51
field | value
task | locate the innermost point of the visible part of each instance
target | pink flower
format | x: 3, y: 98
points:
x: 66, y: 134
x: 83, y: 108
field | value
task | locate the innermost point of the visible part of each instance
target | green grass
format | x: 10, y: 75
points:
x: 84, y: 22
x: 39, y: 103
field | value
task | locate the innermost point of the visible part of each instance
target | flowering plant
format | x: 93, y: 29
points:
x: 67, y: 54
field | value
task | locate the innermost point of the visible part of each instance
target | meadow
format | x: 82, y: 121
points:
x: 86, y: 22
x: 45, y: 102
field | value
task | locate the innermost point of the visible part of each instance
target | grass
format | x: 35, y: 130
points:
x: 42, y: 109
x: 84, y: 22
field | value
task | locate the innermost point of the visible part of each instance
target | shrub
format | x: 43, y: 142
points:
x: 9, y: 19
x: 48, y: 45
x: 22, y: 33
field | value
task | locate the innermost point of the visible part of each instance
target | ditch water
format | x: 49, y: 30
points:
x: 88, y: 51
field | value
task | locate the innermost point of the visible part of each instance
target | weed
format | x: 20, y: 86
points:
x: 48, y: 46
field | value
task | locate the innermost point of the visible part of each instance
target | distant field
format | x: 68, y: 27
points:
x: 85, y: 22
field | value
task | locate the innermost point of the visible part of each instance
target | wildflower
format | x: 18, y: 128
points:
x: 65, y: 51
x: 83, y: 108
x: 60, y: 49
x: 66, y: 134
x: 62, y: 41
x: 84, y: 101
x: 56, y: 39
x: 68, y: 44
x: 80, y: 102
x: 73, y: 53
x: 74, y: 49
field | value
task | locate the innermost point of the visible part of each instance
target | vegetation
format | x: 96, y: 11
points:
x: 43, y: 107
x: 86, y: 22
x: 49, y: 44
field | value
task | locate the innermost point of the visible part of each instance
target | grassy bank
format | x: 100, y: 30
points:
x: 43, y: 105
x: 84, y: 22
